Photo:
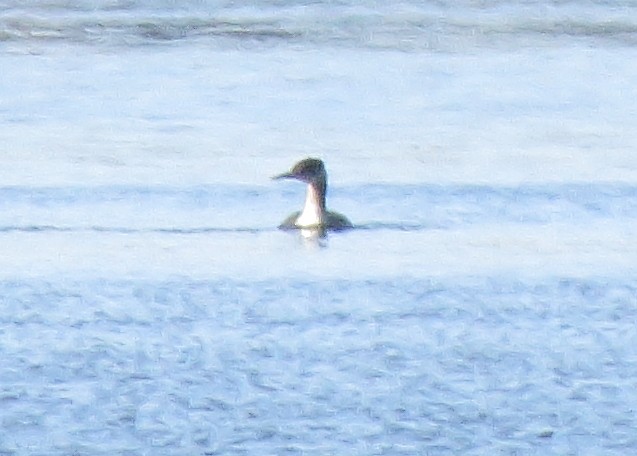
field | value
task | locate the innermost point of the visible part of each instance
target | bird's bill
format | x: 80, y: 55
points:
x: 287, y: 175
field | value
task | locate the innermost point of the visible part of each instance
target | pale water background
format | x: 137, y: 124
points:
x: 487, y: 304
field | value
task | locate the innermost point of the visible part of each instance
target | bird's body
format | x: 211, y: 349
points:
x: 314, y: 214
x: 332, y: 221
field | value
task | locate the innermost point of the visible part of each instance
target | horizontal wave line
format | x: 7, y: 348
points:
x: 186, y: 231
x: 374, y: 226
x: 126, y: 230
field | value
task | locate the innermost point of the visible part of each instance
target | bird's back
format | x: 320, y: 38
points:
x: 336, y: 221
x: 290, y: 222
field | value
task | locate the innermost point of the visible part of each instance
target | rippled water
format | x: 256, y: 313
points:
x: 376, y: 366
x: 485, y: 303
x: 404, y: 25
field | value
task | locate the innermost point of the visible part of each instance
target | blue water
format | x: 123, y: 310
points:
x: 398, y: 366
x: 484, y: 304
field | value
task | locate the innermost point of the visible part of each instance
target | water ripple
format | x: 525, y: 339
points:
x: 126, y: 230
x: 408, y: 26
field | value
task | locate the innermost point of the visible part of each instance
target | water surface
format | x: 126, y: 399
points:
x: 485, y: 302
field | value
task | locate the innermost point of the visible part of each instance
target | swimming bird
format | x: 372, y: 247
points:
x: 314, y: 214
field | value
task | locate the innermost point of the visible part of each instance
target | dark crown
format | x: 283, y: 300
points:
x: 309, y: 168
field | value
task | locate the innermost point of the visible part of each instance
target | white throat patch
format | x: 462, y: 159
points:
x: 312, y: 214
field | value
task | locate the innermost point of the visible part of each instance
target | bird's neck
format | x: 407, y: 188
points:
x: 313, y: 212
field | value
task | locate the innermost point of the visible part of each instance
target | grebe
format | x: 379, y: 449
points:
x: 314, y: 214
